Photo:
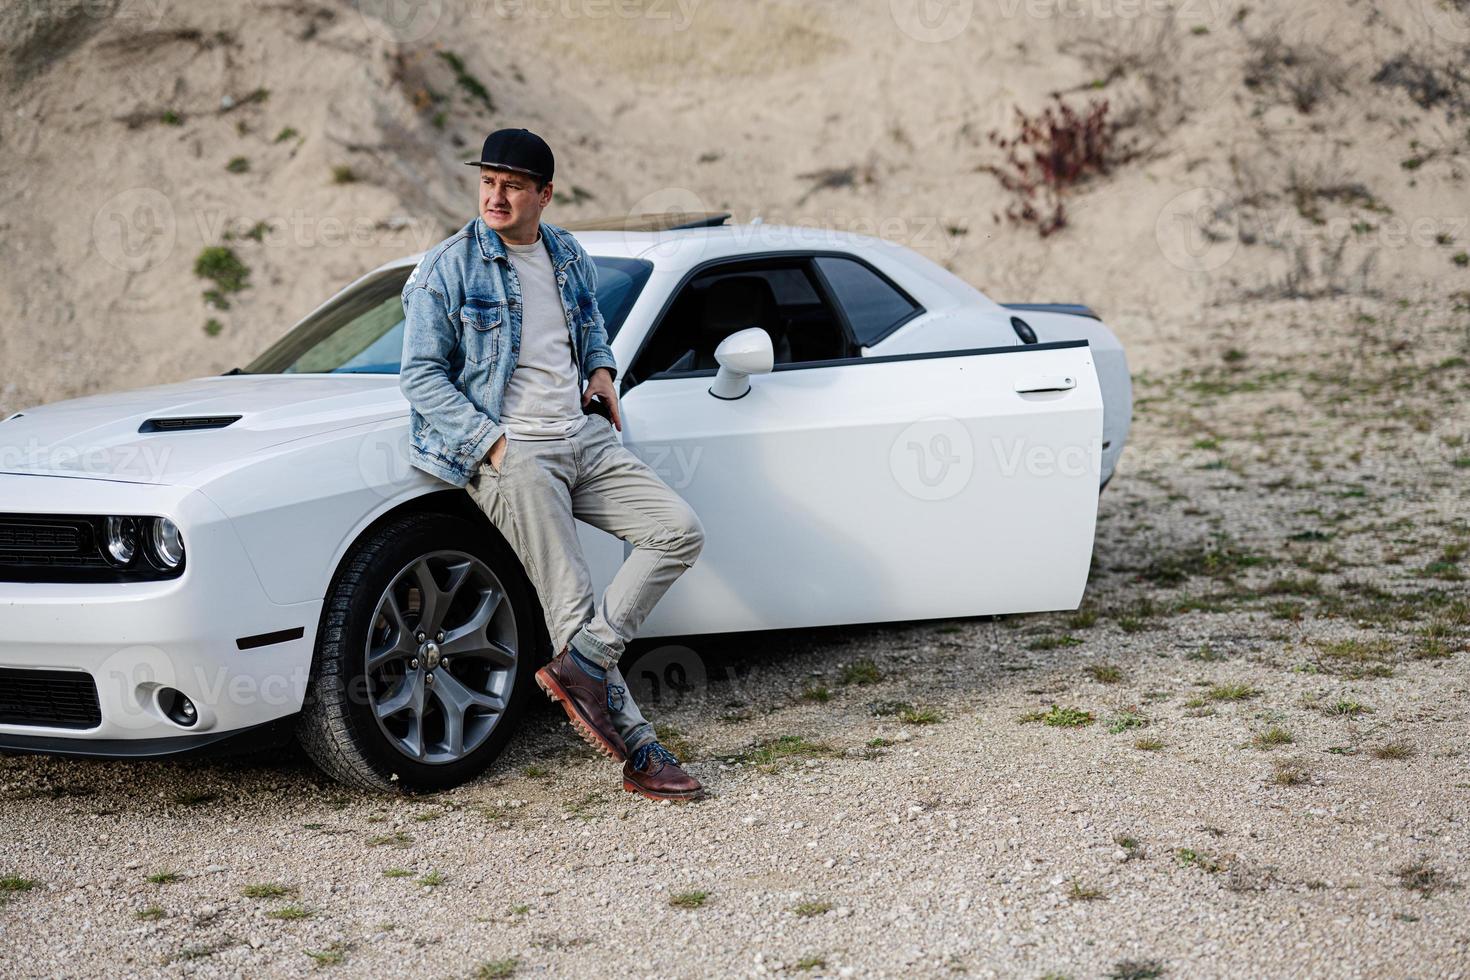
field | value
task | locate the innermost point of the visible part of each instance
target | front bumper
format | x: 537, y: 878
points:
x: 211, y: 633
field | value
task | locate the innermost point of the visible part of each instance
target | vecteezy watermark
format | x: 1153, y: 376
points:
x: 665, y: 676
x: 401, y: 21
x: 675, y: 464
x: 933, y: 459
x: 936, y: 21
x: 146, y: 462
x: 135, y: 229
x: 932, y: 21
x: 1448, y: 20
x: 383, y: 459
x: 1016, y: 456
x: 1202, y: 229
x: 1198, y: 231
x: 413, y: 20
x: 304, y: 229
x: 131, y: 680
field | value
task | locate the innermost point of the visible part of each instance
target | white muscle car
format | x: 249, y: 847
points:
x: 865, y: 438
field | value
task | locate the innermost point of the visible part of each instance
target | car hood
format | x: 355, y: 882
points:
x: 113, y: 436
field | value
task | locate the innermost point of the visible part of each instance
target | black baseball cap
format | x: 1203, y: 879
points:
x: 517, y: 149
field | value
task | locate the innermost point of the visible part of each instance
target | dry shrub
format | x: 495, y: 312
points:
x: 1307, y: 75
x: 1051, y: 153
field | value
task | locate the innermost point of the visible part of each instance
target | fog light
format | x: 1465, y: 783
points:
x: 168, y: 544
x: 122, y: 539
x: 177, y: 707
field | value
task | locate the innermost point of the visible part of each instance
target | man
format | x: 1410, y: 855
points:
x: 502, y: 329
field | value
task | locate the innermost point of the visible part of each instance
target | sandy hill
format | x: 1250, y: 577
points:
x: 1258, y: 159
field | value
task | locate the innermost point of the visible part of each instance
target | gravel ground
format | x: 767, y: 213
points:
x: 1266, y: 775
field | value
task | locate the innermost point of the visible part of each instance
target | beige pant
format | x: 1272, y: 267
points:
x: 543, y: 487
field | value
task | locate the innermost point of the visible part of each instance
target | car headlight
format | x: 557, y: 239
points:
x: 168, y: 544
x: 122, y: 539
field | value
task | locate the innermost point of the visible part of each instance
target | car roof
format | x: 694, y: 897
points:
x: 682, y: 249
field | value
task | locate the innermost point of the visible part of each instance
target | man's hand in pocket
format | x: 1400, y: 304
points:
x: 497, y: 453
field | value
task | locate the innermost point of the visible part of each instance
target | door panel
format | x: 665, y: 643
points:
x: 881, y: 489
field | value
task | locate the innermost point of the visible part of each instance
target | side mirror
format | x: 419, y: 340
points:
x: 740, y: 355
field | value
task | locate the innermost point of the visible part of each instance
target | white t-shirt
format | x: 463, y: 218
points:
x: 543, y: 398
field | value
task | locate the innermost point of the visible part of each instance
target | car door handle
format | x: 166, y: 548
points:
x: 1046, y: 382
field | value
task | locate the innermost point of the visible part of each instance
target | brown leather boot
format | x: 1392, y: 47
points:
x: 655, y: 773
x: 584, y: 698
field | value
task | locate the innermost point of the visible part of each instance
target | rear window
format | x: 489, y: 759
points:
x: 873, y: 305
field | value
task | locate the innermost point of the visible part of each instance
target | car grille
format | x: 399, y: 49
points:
x: 49, y: 542
x: 48, y: 698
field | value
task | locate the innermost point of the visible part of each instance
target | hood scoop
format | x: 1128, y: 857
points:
x: 189, y: 423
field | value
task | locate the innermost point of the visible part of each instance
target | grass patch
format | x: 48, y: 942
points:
x: 1105, y: 673
x: 1346, y: 708
x: 1053, y: 642
x: 238, y: 165
x: 817, y: 694
x: 1148, y: 744
x: 1059, y: 717
x: 772, y: 754
x: 333, y: 955
x: 1273, y: 737
x: 220, y: 265
x: 1232, y: 692
x: 1079, y: 892
x: 290, y: 913
x: 1394, y: 750
x: 472, y: 86
x: 1125, y: 721
x: 164, y: 877
x: 267, y: 890
x: 497, y: 969
x: 807, y: 910
x: 1290, y: 774
x: 919, y: 716
x: 1136, y: 970
x: 861, y: 672
x: 343, y: 174
x: 1082, y: 619
x: 15, y: 885
x: 396, y: 839
x: 1190, y: 858
x: 1420, y: 877
x: 807, y: 963
x: 150, y: 914
x: 1219, y: 559
x: 433, y: 879
x: 689, y: 900
x: 397, y: 873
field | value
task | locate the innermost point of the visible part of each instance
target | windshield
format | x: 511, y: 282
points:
x: 362, y: 332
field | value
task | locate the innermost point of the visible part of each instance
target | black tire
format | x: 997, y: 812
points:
x: 338, y: 726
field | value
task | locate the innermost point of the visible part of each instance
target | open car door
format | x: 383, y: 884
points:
x: 864, y: 490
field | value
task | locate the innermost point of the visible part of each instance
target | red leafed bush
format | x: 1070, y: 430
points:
x: 1052, y: 152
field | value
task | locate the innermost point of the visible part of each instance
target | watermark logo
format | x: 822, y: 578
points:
x: 666, y: 676
x: 401, y: 21
x: 933, y: 459
x: 1448, y: 20
x: 383, y: 460
x: 135, y: 229
x: 665, y: 206
x: 932, y: 21
x: 1197, y: 231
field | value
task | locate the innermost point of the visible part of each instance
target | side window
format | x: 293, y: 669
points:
x: 873, y: 305
x: 778, y: 295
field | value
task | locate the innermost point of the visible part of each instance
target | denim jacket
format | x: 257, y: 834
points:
x: 462, y: 338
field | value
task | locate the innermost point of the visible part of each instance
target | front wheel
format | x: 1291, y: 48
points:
x: 423, y: 661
